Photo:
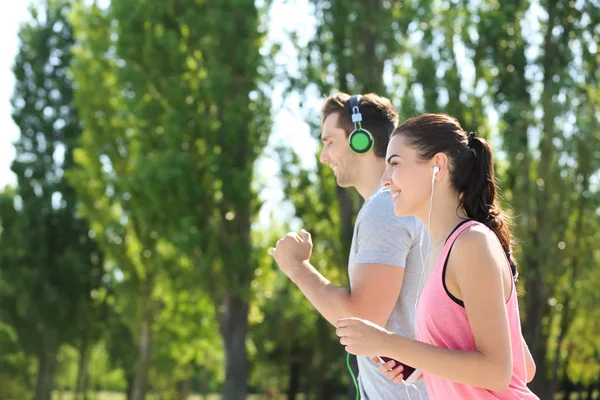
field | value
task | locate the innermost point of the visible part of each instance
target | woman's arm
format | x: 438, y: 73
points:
x: 479, y: 264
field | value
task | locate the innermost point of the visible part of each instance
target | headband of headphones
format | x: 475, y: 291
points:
x: 361, y: 141
x: 355, y: 110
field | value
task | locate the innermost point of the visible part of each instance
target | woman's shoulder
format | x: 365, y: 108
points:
x: 477, y: 245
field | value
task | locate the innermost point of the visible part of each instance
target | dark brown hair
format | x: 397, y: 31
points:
x: 471, y: 170
x: 379, y: 117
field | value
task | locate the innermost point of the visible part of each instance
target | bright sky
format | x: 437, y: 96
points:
x: 289, y: 126
x: 10, y: 18
x: 289, y: 120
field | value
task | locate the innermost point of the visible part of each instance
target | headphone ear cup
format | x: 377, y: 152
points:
x: 361, y: 141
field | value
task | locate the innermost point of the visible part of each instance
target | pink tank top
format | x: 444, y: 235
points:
x: 443, y: 322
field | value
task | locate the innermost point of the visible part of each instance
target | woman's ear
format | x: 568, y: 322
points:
x: 441, y: 162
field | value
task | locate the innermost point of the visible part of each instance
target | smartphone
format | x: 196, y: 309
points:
x: 409, y: 374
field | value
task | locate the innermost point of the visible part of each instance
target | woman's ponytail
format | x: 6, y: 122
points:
x: 479, y: 196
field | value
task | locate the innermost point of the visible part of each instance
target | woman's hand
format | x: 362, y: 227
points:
x: 361, y: 337
x: 387, y: 368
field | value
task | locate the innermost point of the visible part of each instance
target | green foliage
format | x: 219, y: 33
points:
x: 101, y: 373
x: 145, y: 263
x: 174, y: 121
x: 16, y: 369
x: 548, y: 139
x: 552, y: 138
x: 125, y: 166
x: 49, y: 263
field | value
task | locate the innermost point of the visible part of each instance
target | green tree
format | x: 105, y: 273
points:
x: 174, y: 122
x: 357, y: 48
x: 16, y: 377
x: 355, y: 40
x: 546, y: 166
x: 46, y: 254
x: 548, y: 137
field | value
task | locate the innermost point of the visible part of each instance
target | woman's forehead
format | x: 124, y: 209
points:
x: 397, y: 142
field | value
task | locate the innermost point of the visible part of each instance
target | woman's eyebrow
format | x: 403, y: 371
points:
x: 392, y: 156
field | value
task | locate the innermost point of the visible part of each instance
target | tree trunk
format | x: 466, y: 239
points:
x: 45, y: 373
x: 318, y: 382
x: 130, y: 378
x: 184, y: 388
x: 234, y: 324
x: 568, y: 388
x: 145, y: 350
x: 590, y: 392
x: 533, y: 331
x: 346, y: 218
x: 540, y: 284
x: 564, y: 326
x: 294, y: 384
x: 82, y: 381
x: 372, y: 80
x: 202, y: 383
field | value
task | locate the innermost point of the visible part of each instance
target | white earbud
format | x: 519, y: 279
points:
x: 436, y: 169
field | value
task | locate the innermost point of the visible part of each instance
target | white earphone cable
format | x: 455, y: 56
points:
x: 425, y: 259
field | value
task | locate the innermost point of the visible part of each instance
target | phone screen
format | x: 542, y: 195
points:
x: 406, y: 372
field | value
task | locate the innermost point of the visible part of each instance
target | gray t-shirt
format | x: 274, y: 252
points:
x: 380, y: 237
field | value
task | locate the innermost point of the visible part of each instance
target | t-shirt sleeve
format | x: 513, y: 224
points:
x: 383, y: 238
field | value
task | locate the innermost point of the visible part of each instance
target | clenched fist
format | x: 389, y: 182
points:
x: 292, y: 250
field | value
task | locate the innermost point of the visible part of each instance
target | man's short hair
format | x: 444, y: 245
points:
x: 379, y: 117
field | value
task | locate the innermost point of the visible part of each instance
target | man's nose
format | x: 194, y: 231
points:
x: 324, y: 156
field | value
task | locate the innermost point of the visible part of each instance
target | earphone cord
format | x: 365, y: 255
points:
x: 425, y: 259
x: 416, y: 388
x: 418, y: 391
x: 352, y: 375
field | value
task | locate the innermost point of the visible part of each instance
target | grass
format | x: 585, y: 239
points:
x: 575, y: 396
x: 121, y: 396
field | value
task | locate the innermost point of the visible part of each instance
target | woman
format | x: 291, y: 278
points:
x: 469, y: 342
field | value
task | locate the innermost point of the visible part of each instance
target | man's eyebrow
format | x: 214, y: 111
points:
x: 390, y: 157
x: 326, y: 137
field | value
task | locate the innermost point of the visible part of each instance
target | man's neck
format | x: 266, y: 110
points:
x: 370, y: 178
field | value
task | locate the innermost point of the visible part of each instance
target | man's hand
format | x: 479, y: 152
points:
x: 292, y: 250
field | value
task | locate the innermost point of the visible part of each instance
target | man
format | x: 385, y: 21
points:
x: 384, y: 265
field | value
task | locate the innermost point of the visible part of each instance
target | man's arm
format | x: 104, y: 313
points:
x: 375, y: 290
x: 382, y: 241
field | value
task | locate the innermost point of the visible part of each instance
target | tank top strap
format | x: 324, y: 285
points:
x: 453, y: 236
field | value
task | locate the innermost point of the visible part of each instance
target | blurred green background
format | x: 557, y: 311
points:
x: 162, y: 146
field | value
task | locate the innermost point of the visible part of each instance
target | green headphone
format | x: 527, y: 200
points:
x: 360, y: 140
